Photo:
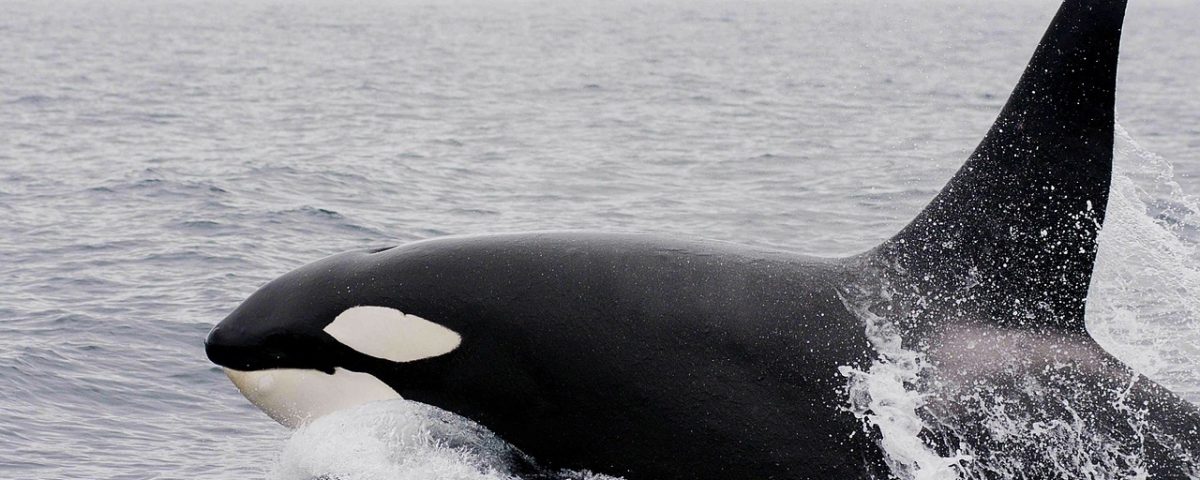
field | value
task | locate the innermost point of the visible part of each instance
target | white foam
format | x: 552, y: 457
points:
x: 885, y: 397
x: 392, y: 440
x: 401, y: 440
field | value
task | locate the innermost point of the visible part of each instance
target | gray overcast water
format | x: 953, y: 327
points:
x: 161, y: 160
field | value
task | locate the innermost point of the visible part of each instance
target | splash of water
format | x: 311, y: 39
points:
x: 403, y: 440
x: 1144, y: 302
x: 393, y: 440
x: 886, y: 396
x: 1142, y: 307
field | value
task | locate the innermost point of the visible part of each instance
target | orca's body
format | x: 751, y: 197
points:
x: 621, y: 354
x: 653, y: 358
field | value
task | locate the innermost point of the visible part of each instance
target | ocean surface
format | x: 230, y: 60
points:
x: 160, y: 160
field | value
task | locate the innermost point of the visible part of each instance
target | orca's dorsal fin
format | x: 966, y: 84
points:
x: 1011, y: 239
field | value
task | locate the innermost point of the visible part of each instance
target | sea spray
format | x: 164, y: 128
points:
x: 393, y: 440
x: 885, y: 396
x: 403, y: 440
x: 1036, y: 424
x: 1144, y: 301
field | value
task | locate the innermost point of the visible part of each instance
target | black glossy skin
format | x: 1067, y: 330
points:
x: 629, y: 355
x: 653, y: 358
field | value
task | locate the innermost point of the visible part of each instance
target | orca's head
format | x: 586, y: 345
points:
x: 326, y: 337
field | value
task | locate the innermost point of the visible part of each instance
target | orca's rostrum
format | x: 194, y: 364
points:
x: 657, y: 358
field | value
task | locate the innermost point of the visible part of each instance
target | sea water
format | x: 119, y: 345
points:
x: 161, y: 160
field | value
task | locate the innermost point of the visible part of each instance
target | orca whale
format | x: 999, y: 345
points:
x: 657, y: 358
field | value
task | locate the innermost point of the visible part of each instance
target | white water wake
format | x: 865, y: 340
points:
x: 1143, y: 307
x: 393, y: 440
x: 402, y: 440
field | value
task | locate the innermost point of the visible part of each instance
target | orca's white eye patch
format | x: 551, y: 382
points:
x: 391, y: 334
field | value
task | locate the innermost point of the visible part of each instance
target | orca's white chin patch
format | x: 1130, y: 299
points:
x: 293, y: 397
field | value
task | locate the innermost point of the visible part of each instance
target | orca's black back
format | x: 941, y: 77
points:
x: 639, y: 356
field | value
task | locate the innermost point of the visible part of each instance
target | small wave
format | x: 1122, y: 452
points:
x: 36, y: 100
x: 481, y: 212
x: 151, y: 183
x: 319, y: 212
x: 310, y: 215
x: 201, y: 224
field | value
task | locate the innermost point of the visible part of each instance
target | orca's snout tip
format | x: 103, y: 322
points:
x: 212, y: 345
x: 219, y: 348
x: 209, y: 337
